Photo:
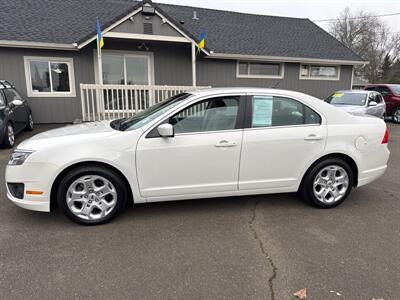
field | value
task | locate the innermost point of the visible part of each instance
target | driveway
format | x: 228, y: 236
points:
x: 263, y: 247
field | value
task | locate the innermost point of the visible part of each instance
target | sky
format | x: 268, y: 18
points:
x: 312, y: 9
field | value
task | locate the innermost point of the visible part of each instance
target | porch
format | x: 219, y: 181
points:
x: 113, y: 101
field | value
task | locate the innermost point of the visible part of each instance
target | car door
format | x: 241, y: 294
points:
x: 201, y: 157
x: 387, y: 96
x: 17, y: 113
x: 282, y: 137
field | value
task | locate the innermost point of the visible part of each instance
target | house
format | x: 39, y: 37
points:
x: 48, y: 49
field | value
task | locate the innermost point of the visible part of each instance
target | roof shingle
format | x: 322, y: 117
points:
x: 73, y: 21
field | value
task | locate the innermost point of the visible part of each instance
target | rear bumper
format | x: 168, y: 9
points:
x: 370, y: 175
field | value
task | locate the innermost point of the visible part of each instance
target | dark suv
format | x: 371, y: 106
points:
x: 15, y: 114
x: 391, y: 94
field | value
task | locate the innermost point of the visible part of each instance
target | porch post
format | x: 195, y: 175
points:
x: 193, y: 64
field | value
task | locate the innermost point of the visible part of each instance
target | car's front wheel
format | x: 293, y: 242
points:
x: 396, y: 116
x: 9, y: 136
x: 91, y: 195
x: 328, y: 183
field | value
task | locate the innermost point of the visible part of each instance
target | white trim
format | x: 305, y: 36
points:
x: 337, y: 78
x: 281, y: 76
x: 352, y: 78
x: 83, y: 44
x: 152, y: 37
x: 180, y: 31
x: 71, y: 77
x: 37, y: 45
x: 123, y: 53
x: 194, y: 83
x: 284, y: 59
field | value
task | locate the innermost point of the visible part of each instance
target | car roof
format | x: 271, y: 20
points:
x: 243, y: 90
x: 5, y: 84
x: 355, y: 91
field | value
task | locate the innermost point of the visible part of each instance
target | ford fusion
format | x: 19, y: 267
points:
x: 207, y: 143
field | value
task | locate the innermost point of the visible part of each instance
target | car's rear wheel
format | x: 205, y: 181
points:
x: 91, y: 195
x: 30, y: 124
x: 396, y: 115
x: 9, y: 136
x: 328, y: 183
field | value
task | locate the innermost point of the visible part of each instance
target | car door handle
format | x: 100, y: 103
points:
x: 313, y: 137
x: 224, y: 143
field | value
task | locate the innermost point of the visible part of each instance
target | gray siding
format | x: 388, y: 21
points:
x: 222, y: 73
x: 47, y: 109
x: 172, y: 66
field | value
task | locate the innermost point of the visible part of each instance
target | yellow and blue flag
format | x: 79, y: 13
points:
x: 100, y: 39
x: 202, y: 39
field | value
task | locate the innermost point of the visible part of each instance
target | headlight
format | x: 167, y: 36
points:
x: 18, y: 157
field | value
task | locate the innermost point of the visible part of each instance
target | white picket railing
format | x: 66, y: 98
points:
x: 107, y: 102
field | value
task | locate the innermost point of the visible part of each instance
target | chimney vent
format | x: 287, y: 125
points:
x: 195, y: 15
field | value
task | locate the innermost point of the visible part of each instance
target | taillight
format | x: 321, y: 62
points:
x: 386, y: 136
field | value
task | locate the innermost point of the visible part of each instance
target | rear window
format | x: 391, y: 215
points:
x: 396, y: 89
x: 347, y: 98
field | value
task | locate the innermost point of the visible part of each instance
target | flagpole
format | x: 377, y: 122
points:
x: 99, y: 62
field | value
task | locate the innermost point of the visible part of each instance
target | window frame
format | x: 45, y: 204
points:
x: 319, y: 77
x: 153, y: 133
x: 249, y: 113
x: 62, y: 60
x: 281, y: 76
x: 125, y: 54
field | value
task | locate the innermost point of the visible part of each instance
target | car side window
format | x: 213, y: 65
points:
x: 384, y: 91
x: 269, y: 111
x: 208, y: 115
x: 378, y: 98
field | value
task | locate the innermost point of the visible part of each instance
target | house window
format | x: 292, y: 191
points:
x: 49, y: 77
x: 259, y: 69
x: 319, y: 72
x: 126, y: 69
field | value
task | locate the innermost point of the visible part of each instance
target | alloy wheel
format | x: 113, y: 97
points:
x: 396, y: 115
x: 331, y: 184
x: 10, y: 134
x: 91, y: 197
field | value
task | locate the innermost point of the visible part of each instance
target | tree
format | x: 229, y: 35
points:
x: 386, y: 69
x: 367, y: 36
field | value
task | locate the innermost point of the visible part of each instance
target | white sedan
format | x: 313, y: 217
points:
x: 207, y: 143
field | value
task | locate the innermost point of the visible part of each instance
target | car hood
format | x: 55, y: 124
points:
x: 84, y: 132
x: 350, y: 108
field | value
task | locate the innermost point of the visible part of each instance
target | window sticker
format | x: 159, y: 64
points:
x: 338, y: 95
x: 262, y: 111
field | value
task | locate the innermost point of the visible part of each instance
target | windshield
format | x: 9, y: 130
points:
x: 347, y: 98
x: 145, y: 116
x: 396, y: 89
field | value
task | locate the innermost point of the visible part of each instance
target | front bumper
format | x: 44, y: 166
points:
x: 36, y: 177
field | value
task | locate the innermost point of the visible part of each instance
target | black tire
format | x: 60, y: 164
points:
x: 30, y: 125
x: 8, y: 141
x: 395, y: 116
x: 108, y: 174
x: 306, y: 190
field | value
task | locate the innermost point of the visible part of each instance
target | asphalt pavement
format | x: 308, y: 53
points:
x: 257, y: 247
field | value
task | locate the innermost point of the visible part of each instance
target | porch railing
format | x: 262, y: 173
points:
x: 107, y: 102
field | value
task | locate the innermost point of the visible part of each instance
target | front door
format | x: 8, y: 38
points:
x: 284, y: 135
x: 202, y: 157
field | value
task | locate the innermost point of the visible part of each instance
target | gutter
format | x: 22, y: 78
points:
x: 284, y: 59
x: 38, y: 45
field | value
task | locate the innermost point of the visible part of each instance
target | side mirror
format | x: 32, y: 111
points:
x: 166, y: 130
x: 16, y: 102
x: 372, y: 103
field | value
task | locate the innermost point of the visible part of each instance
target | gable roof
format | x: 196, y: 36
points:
x: 73, y: 21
